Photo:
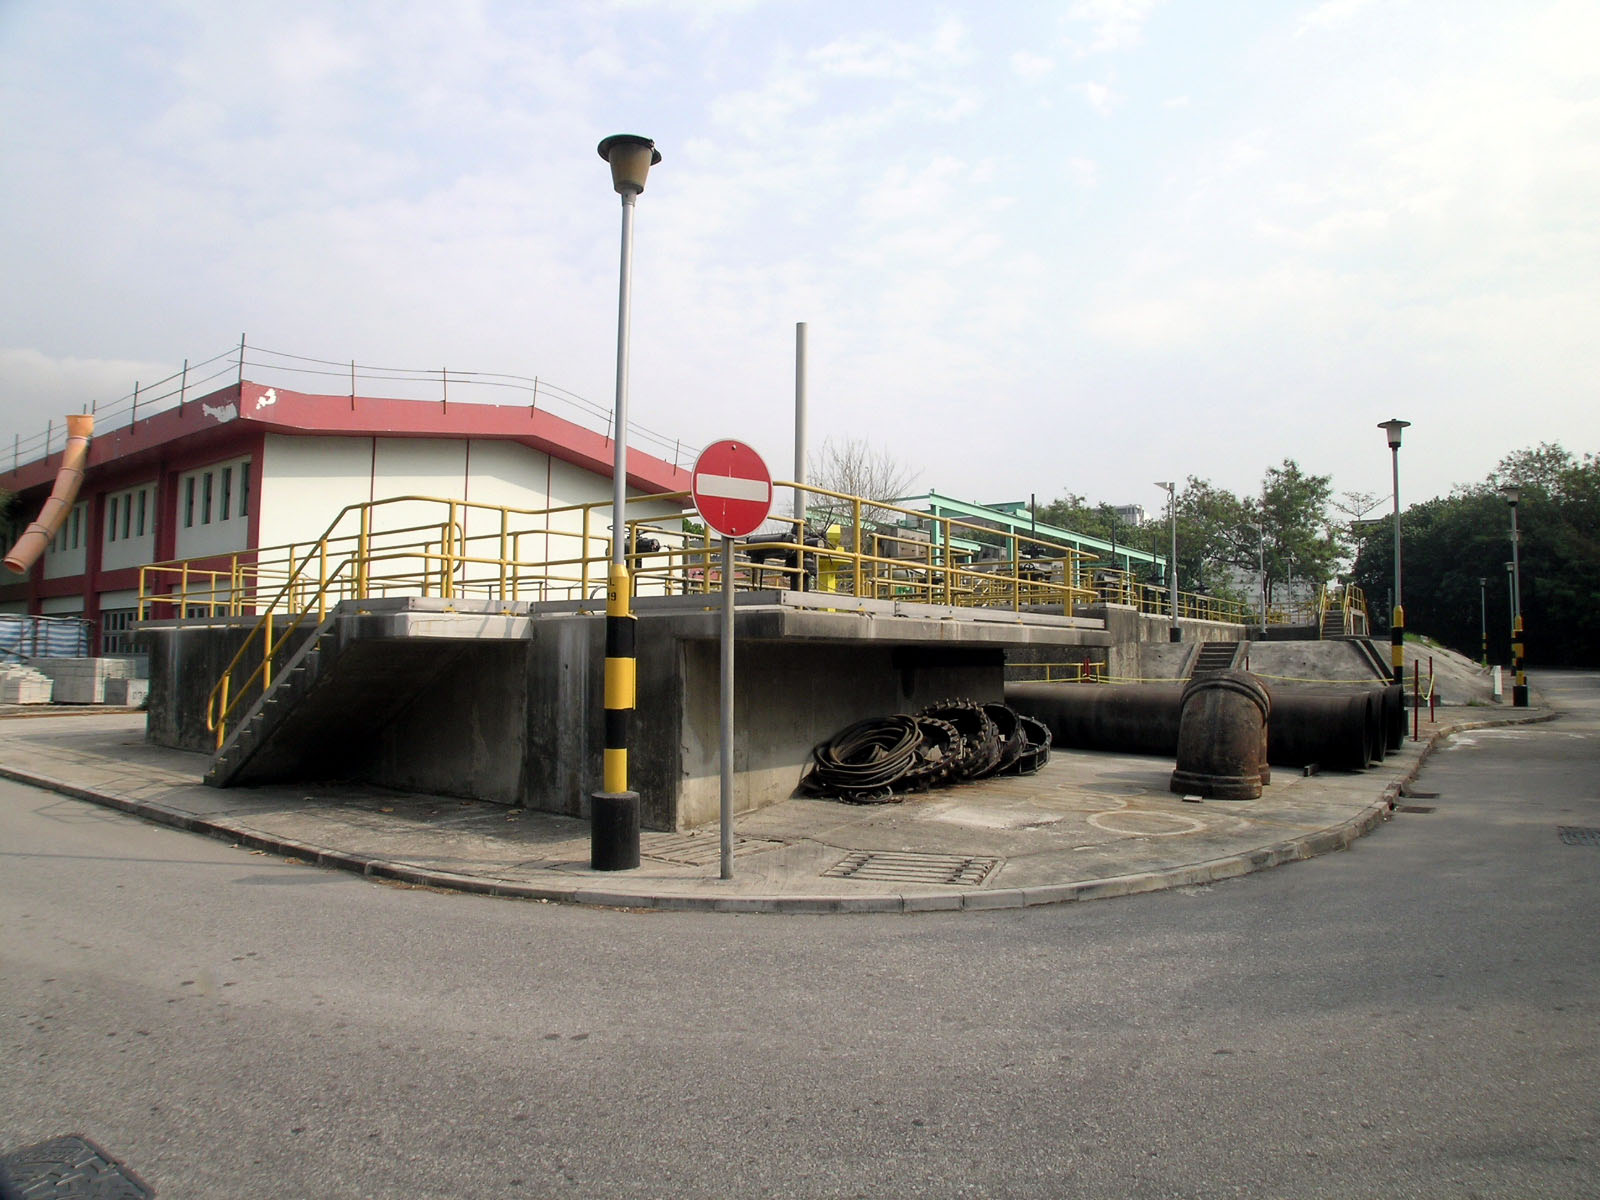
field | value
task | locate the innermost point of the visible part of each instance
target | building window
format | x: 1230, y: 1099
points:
x: 205, y: 500
x: 244, y: 488
x: 111, y: 519
x: 224, y: 500
x: 75, y: 538
x: 116, y: 630
x: 188, y: 502
x: 144, y: 494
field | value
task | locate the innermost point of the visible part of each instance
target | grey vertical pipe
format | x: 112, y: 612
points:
x: 800, y: 422
x: 725, y: 808
x: 241, y: 360
x: 183, y: 385
x: 619, y: 461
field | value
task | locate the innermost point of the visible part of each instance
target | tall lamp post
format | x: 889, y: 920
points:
x: 1175, y: 634
x: 1519, y: 633
x: 1397, y: 627
x: 1483, y: 614
x: 1261, y: 548
x: 614, y: 812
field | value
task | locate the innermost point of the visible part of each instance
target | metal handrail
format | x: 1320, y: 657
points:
x: 431, y: 546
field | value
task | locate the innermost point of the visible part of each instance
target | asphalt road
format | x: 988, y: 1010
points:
x: 1414, y: 1017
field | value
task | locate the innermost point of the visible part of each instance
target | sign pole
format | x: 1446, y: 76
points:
x: 732, y: 491
x: 726, y: 729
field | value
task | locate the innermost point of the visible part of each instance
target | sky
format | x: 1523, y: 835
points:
x: 1040, y: 248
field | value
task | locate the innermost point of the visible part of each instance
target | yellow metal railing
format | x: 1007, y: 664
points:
x: 1351, y: 604
x: 1114, y: 586
x: 449, y: 549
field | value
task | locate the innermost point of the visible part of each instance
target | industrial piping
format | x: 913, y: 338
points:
x: 80, y: 428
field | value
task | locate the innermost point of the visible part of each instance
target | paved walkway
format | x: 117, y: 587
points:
x: 1089, y: 825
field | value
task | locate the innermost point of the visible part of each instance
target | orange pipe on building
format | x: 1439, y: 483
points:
x: 69, y: 478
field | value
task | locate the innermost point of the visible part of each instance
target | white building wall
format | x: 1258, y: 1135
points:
x: 305, y: 481
x: 213, y: 509
x: 67, y: 553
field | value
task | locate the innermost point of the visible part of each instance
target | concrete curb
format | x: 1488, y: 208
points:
x: 1322, y: 841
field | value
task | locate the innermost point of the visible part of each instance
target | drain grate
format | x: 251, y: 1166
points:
x: 1417, y: 808
x: 697, y: 849
x: 72, y: 1168
x: 1579, y: 835
x: 891, y: 867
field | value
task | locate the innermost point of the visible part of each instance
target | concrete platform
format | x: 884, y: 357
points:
x: 1090, y: 825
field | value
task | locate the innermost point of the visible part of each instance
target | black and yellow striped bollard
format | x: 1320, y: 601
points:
x: 614, y: 812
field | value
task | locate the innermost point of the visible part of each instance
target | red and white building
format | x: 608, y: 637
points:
x: 253, y: 466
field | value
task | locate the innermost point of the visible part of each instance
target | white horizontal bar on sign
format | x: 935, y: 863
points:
x: 732, y: 487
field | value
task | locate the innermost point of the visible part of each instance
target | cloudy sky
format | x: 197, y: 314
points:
x: 1040, y: 247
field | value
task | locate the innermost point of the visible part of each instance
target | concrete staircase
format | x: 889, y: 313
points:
x: 1214, y: 657
x: 326, y: 707
x: 1333, y: 621
x: 291, y: 684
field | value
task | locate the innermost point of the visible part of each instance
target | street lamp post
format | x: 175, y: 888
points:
x: 1483, y: 614
x: 1519, y: 633
x: 1397, y: 628
x: 1175, y: 634
x: 1261, y: 548
x: 614, y: 811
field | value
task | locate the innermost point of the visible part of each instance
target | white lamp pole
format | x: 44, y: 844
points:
x: 614, y: 811
x: 1519, y: 632
x: 1176, y: 634
x: 1397, y: 628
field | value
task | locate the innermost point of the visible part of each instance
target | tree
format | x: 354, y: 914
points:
x: 1101, y: 521
x: 1293, y: 514
x: 1452, y: 542
x: 855, y: 468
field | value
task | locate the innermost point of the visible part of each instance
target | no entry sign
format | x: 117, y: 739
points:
x: 732, y: 488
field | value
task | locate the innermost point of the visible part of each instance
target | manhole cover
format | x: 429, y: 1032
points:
x: 70, y: 1168
x: 699, y: 849
x: 1579, y: 835
x: 900, y: 867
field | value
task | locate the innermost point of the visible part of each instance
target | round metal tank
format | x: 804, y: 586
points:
x: 1133, y: 718
x: 1222, y: 737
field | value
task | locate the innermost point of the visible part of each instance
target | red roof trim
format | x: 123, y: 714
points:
x: 279, y: 410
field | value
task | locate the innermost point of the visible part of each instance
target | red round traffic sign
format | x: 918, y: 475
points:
x: 732, y: 488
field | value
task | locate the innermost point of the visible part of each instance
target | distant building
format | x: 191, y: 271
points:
x: 1130, y: 514
x: 250, y: 467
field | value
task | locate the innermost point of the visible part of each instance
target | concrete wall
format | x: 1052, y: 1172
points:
x: 469, y: 718
x: 184, y: 664
x: 793, y: 696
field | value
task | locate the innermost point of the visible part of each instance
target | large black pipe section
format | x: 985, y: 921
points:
x: 1338, y: 728
x: 1132, y: 718
x: 1335, y: 729
x: 1222, y: 737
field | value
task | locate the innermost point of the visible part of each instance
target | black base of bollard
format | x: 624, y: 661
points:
x: 1174, y: 635
x: 1519, y: 695
x: 614, y: 831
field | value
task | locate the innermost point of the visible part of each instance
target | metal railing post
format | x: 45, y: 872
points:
x: 363, y: 547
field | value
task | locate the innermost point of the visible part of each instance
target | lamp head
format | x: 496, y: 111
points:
x: 1512, y: 493
x: 1392, y: 427
x: 631, y: 158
